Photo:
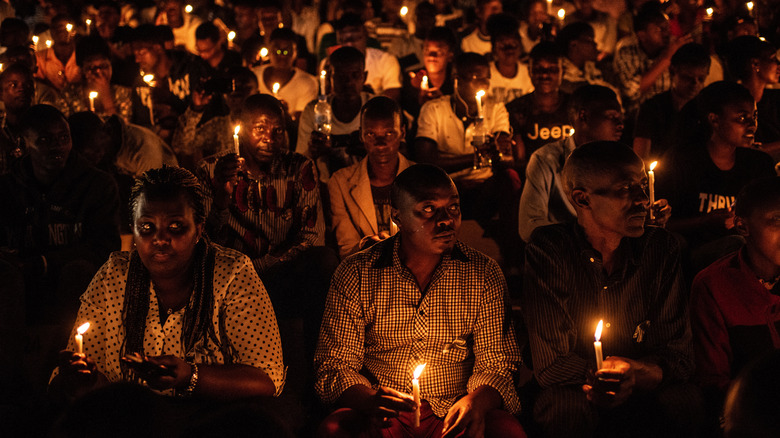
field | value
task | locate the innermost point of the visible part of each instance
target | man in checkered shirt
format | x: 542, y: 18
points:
x: 419, y: 297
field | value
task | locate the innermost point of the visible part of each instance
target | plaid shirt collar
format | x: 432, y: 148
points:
x: 389, y: 254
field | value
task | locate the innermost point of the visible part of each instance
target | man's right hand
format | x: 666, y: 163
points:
x: 225, y: 179
x: 386, y: 403
x: 319, y: 144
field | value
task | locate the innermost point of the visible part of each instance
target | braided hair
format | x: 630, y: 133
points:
x: 168, y: 183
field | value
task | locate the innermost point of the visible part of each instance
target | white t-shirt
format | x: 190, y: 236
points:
x: 383, y: 70
x: 297, y: 92
x: 503, y: 89
x: 306, y: 126
x: 439, y: 123
x: 474, y: 42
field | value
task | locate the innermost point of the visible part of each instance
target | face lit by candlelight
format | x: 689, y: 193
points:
x: 429, y: 221
x: 263, y: 134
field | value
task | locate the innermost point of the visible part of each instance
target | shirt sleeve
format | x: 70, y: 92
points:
x: 500, y: 119
x: 347, y: 234
x: 628, y: 72
x: 495, y: 347
x: 533, y: 210
x: 427, y: 125
x: 711, y: 337
x: 340, y: 349
x: 183, y: 142
x: 391, y: 72
x: 305, y: 127
x: 551, y: 330
x: 250, y: 323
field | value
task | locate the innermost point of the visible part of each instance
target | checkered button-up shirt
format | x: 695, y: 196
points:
x: 631, y: 62
x: 378, y: 326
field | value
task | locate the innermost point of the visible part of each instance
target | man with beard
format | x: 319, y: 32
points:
x: 609, y: 266
x: 419, y: 297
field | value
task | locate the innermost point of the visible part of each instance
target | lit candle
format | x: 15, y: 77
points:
x: 323, y: 85
x: 188, y: 9
x: 750, y: 7
x: 597, y: 346
x: 69, y: 27
x: 404, y: 11
x: 549, y: 7
x: 561, y: 15
x: 275, y: 89
x: 480, y: 112
x: 1, y: 66
x: 263, y: 52
x: 149, y: 79
x: 35, y: 41
x: 48, y: 44
x: 710, y: 11
x: 231, y: 36
x: 424, y: 83
x: 89, y: 25
x: 416, y: 393
x: 92, y: 96
x: 651, y: 185
x: 235, y: 139
x: 80, y: 337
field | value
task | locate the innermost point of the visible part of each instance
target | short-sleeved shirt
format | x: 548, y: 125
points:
x: 477, y: 43
x: 538, y: 128
x: 505, y: 90
x: 242, y: 317
x: 439, y: 123
x: 297, y: 92
x: 631, y: 62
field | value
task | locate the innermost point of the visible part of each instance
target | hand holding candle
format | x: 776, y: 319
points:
x: 597, y: 346
x: 416, y: 393
x: 80, y: 337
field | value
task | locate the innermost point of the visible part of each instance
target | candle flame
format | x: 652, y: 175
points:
x: 749, y: 6
x: 404, y: 11
x: 480, y: 94
x: 710, y: 11
x: 236, y: 129
x: 652, y: 165
x: 48, y: 44
x: 561, y: 13
x: 418, y: 371
x: 35, y: 39
x: 82, y: 328
x: 149, y: 79
x: 89, y: 22
x: 69, y: 27
x: 231, y: 36
x: 549, y: 1
x: 276, y: 87
x: 263, y: 52
x: 598, y: 330
x: 92, y: 94
x: 323, y: 73
x: 188, y: 9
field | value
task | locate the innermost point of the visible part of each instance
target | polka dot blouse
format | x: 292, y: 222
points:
x: 242, y: 313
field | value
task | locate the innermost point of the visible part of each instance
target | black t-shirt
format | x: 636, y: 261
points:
x: 655, y: 120
x: 536, y: 127
x: 768, y: 117
x: 695, y: 186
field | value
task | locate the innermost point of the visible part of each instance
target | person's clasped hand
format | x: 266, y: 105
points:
x: 387, y: 403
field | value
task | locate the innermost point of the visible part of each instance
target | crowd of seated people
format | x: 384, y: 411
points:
x: 259, y: 206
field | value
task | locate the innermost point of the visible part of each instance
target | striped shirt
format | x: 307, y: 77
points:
x: 631, y: 62
x: 642, y: 302
x: 274, y: 214
x: 378, y: 326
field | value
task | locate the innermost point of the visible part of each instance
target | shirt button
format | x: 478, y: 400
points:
x: 592, y: 260
x: 608, y: 325
x: 605, y: 288
x: 422, y: 313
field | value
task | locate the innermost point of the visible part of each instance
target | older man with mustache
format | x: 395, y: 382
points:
x: 610, y: 266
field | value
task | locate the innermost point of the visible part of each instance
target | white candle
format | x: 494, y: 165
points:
x: 231, y: 36
x: 92, y: 96
x: 561, y: 15
x: 149, y: 79
x: 275, y: 89
x: 416, y: 393
x: 323, y: 85
x: 750, y: 7
x: 89, y: 25
x: 597, y: 346
x: 424, y: 84
x: 235, y: 139
x: 549, y: 7
x: 80, y: 337
x: 651, y: 186
x: 480, y: 110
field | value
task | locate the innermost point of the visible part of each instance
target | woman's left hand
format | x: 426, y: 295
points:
x: 182, y: 371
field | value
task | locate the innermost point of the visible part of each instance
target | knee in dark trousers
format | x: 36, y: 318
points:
x: 563, y: 411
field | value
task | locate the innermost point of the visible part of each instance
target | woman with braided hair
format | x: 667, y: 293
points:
x: 197, y: 312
